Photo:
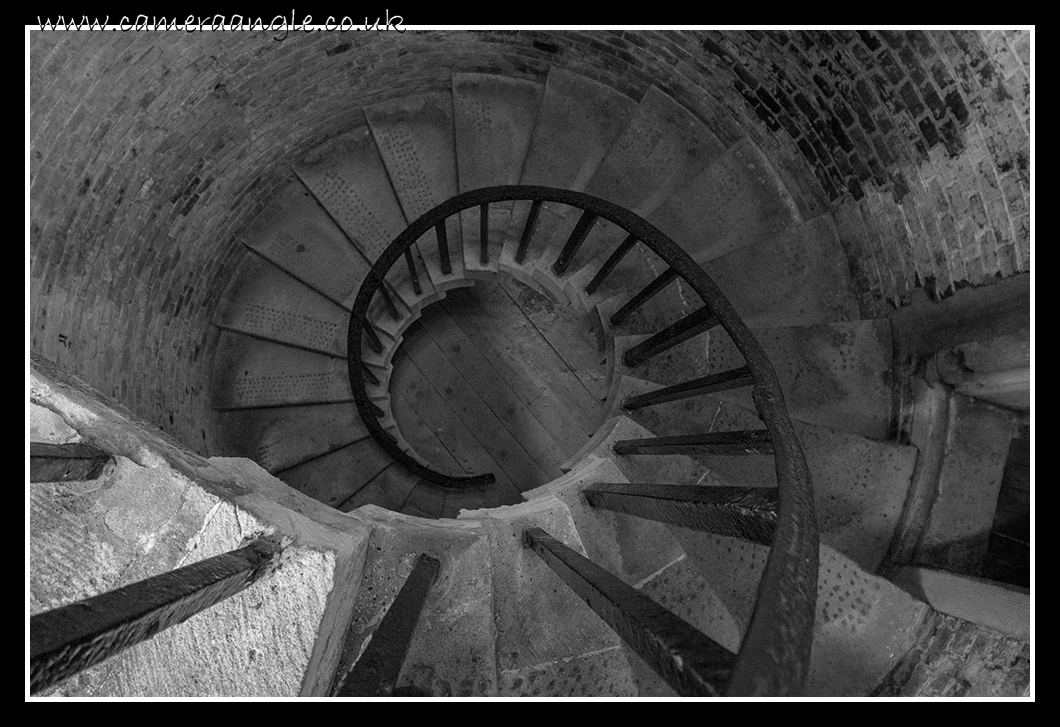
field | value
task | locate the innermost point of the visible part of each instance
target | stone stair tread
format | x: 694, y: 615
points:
x: 494, y: 118
x: 631, y: 548
x: 250, y: 372
x: 296, y: 234
x: 416, y: 141
x: 541, y: 623
x: 996, y: 606
x: 735, y: 202
x: 266, y: 302
x: 956, y: 531
x: 280, y: 437
x: 347, y: 177
x: 336, y: 476
x: 452, y: 647
x: 864, y: 624
x: 798, y: 276
x: 833, y: 374
x: 684, y: 362
x: 860, y: 485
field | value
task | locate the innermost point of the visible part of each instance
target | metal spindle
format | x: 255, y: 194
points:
x: 731, y: 379
x: 749, y: 513
x: 412, y: 272
x: 613, y: 260
x: 577, y: 237
x: 72, y: 638
x: 752, y: 441
x: 677, y: 333
x: 65, y: 462
x: 528, y: 231
x: 443, y: 247
x: 377, y: 669
x: 693, y: 664
x: 484, y: 233
x: 643, y: 296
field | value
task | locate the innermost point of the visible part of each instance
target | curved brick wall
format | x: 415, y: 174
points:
x: 150, y: 151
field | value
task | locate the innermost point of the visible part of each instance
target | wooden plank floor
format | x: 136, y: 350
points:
x: 499, y: 378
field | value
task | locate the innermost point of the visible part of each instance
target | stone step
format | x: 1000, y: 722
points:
x: 737, y: 201
x: 416, y: 140
x: 864, y: 624
x: 336, y: 476
x: 494, y: 119
x: 578, y: 121
x: 265, y: 302
x: 299, y: 236
x: 860, y: 485
x: 797, y: 277
x: 956, y: 529
x: 451, y: 653
x: 683, y: 362
x: 548, y: 641
x: 348, y: 178
x: 281, y: 437
x: 837, y: 375
x: 249, y: 372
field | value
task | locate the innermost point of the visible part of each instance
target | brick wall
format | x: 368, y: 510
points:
x: 150, y: 151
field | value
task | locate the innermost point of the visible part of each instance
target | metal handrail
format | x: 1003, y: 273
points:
x: 774, y: 656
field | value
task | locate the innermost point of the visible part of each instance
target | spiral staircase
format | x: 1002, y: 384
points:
x: 557, y: 187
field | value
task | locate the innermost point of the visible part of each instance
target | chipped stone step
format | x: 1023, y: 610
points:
x: 416, y: 141
x: 297, y: 234
x: 860, y: 485
x: 494, y: 119
x: 541, y: 624
x: 837, y: 375
x: 631, y: 548
x: 250, y: 372
x: 389, y: 490
x: 347, y: 176
x: 683, y: 362
x: 957, y: 529
x: 281, y: 437
x: 663, y: 148
x: 864, y: 624
x: 737, y: 201
x: 682, y: 589
x: 266, y: 302
x: 336, y: 476
x: 797, y: 277
x: 452, y: 649
x: 578, y: 122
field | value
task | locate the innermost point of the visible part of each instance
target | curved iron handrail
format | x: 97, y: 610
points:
x: 774, y: 656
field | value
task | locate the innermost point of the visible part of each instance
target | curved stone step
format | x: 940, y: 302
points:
x: 578, y: 121
x: 494, y: 118
x: 837, y: 375
x: 864, y: 624
x: 663, y: 148
x: 737, y: 201
x: 265, y: 302
x: 299, y: 236
x: 281, y: 437
x: 683, y: 362
x: 336, y: 476
x: 416, y: 141
x: 348, y: 178
x: 249, y: 372
x: 797, y: 277
x: 451, y: 653
x: 548, y: 640
x: 860, y: 485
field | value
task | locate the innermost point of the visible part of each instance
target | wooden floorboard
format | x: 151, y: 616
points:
x: 494, y: 389
x: 462, y: 396
x: 542, y: 363
x: 447, y: 424
x: 567, y: 426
